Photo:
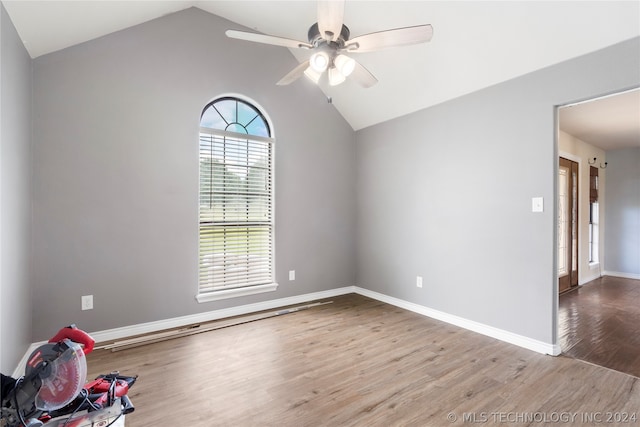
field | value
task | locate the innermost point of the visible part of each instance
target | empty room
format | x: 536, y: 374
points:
x: 332, y: 213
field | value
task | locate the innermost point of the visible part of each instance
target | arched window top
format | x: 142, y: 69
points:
x: 234, y: 115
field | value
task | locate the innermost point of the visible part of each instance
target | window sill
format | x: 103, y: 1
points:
x: 237, y: 292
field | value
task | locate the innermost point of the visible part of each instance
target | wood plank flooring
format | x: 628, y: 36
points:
x: 360, y: 362
x: 600, y: 323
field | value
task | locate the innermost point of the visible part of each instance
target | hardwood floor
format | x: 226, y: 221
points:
x: 600, y: 323
x: 360, y: 362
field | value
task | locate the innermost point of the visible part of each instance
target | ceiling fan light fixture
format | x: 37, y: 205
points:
x: 335, y: 76
x: 345, y: 64
x: 329, y: 39
x: 319, y: 61
x: 312, y: 74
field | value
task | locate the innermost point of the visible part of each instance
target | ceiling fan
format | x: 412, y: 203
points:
x: 329, y: 39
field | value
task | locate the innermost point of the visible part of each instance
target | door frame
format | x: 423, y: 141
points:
x: 557, y: 154
x: 575, y: 159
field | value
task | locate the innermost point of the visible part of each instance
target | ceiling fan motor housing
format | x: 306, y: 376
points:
x: 316, y: 39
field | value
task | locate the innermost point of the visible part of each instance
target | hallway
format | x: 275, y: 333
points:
x: 600, y: 323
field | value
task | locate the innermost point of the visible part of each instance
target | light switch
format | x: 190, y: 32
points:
x: 537, y: 204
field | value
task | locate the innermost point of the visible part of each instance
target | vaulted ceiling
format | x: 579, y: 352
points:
x: 476, y: 44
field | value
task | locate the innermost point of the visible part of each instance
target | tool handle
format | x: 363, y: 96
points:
x: 76, y: 335
x: 127, y: 406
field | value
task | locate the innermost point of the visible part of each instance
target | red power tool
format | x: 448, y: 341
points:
x: 53, y: 389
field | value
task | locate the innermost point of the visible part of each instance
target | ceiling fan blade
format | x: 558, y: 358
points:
x: 266, y: 39
x: 330, y: 18
x: 294, y: 74
x: 362, y: 76
x: 390, y: 38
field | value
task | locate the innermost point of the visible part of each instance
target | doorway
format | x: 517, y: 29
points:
x: 590, y: 131
x: 567, y: 225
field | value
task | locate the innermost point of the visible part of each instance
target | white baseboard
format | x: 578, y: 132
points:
x: 490, y: 331
x: 160, y: 325
x: 623, y: 275
x: 177, y: 322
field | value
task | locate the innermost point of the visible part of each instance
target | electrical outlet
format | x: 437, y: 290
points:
x: 292, y: 275
x: 87, y: 302
x: 419, y: 281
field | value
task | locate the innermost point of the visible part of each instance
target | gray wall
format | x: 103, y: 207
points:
x: 445, y: 193
x: 622, y: 204
x: 15, y: 205
x: 116, y: 172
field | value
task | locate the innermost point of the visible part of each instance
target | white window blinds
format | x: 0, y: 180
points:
x: 236, y: 210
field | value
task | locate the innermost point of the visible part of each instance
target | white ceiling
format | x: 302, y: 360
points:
x: 476, y: 44
x: 610, y: 122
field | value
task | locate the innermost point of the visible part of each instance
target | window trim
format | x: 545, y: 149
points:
x: 222, y: 133
x: 236, y: 292
x: 202, y: 297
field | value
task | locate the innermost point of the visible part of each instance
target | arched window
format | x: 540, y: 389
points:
x: 236, y: 201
